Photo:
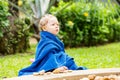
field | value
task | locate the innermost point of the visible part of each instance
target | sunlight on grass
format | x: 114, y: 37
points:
x: 106, y: 56
x: 9, y: 65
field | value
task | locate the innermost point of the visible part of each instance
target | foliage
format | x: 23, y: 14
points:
x: 84, y: 23
x: 38, y: 9
x: 16, y: 39
x: 3, y: 16
x: 114, y: 28
x: 107, y: 56
x: 14, y: 32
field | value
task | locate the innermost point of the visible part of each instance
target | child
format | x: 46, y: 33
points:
x: 50, y: 53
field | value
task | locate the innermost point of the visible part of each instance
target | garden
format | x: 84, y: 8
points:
x: 90, y: 31
x: 105, y: 56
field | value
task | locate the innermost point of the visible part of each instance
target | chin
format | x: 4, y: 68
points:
x: 55, y: 33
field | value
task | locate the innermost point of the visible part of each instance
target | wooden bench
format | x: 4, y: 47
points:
x: 74, y: 75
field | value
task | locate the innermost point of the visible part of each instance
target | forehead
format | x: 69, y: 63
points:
x: 52, y: 20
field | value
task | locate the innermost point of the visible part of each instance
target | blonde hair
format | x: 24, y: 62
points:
x: 44, y: 20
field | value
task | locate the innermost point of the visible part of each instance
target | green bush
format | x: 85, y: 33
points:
x: 83, y: 24
x: 16, y: 39
x: 4, y: 22
x: 114, y: 28
x: 14, y: 32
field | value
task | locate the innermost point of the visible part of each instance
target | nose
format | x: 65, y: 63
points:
x: 57, y: 26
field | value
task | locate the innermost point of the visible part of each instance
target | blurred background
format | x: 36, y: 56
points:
x: 83, y: 22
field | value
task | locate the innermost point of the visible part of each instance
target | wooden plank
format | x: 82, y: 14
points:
x: 74, y: 75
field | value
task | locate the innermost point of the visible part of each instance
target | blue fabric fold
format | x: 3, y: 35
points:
x: 50, y: 55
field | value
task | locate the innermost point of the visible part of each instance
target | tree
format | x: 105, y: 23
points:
x: 15, y: 35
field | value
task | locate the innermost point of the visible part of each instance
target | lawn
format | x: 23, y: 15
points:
x: 105, y: 56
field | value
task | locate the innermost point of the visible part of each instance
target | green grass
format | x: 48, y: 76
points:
x: 106, y: 56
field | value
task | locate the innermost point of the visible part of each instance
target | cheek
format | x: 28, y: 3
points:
x: 49, y: 29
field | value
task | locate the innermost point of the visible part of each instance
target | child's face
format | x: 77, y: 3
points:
x: 52, y: 26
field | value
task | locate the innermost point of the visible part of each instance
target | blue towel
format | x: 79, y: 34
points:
x: 50, y: 54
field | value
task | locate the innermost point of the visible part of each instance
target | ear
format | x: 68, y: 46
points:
x: 44, y: 28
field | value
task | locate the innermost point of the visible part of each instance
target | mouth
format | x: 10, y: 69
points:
x: 57, y: 30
